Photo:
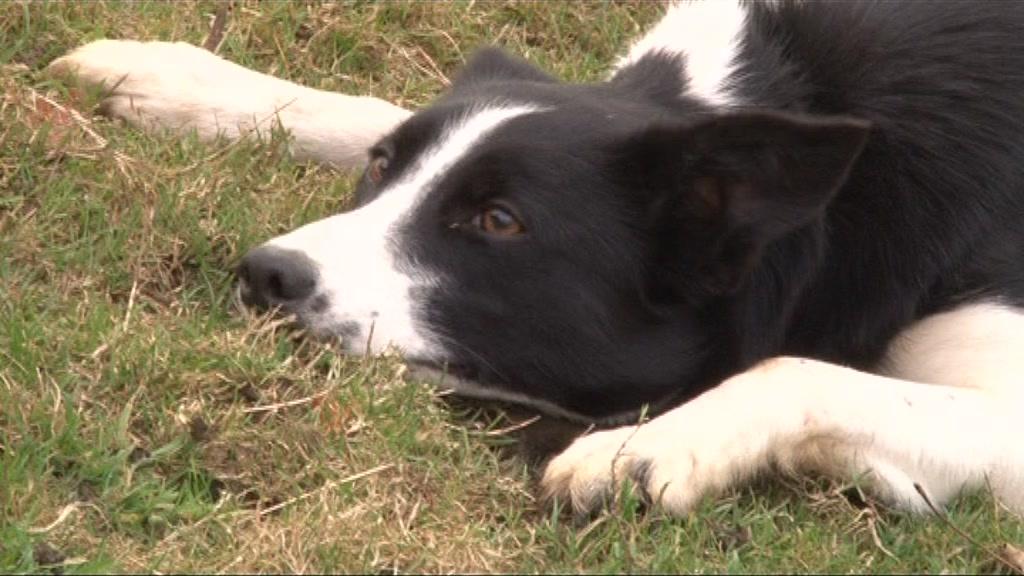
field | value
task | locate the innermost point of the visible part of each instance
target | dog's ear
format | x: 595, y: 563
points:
x: 492, y: 63
x: 729, y: 186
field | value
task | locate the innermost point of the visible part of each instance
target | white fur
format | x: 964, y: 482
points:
x: 803, y: 415
x: 180, y: 87
x: 707, y: 35
x: 362, y: 272
x: 975, y: 346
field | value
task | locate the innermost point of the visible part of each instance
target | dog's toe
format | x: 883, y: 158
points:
x: 589, y: 475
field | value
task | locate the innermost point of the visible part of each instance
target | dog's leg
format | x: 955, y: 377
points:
x: 961, y: 431
x: 180, y: 87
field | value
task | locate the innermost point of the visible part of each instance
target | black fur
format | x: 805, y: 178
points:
x: 874, y: 175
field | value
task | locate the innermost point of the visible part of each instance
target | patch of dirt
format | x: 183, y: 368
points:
x: 48, y: 557
x: 261, y: 467
x: 199, y: 430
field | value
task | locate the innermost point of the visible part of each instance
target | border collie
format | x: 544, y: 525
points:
x: 788, y: 235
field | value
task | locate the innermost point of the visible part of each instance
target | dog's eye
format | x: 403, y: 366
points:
x: 498, y: 220
x: 375, y: 171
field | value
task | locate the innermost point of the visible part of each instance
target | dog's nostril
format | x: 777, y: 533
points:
x: 276, y: 276
x: 276, y: 287
x: 291, y: 285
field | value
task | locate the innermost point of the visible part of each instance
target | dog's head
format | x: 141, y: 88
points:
x: 565, y: 246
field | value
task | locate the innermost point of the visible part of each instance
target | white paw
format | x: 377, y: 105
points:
x: 180, y: 87
x: 668, y: 460
x: 174, y: 85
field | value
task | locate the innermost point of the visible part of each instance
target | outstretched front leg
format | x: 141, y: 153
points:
x: 179, y: 87
x: 807, y: 416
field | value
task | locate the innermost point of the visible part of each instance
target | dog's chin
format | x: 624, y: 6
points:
x: 540, y: 432
x: 467, y: 382
x: 444, y: 376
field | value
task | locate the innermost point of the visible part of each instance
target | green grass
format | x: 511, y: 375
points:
x: 135, y: 433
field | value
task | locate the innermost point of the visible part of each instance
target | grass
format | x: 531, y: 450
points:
x: 146, y: 426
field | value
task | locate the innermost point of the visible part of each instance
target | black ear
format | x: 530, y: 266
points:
x: 733, y: 184
x: 492, y: 63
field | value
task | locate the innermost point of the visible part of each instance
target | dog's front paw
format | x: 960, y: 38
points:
x: 112, y: 62
x: 671, y: 467
x: 171, y: 85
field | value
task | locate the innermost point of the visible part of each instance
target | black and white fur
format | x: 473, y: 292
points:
x: 792, y: 230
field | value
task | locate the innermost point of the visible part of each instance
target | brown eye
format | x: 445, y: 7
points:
x: 498, y: 220
x: 375, y: 171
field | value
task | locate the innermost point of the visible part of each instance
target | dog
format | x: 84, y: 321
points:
x: 781, y: 236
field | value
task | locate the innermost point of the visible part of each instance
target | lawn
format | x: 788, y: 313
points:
x: 147, y: 425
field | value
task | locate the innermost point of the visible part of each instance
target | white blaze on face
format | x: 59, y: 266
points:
x: 707, y: 34
x: 363, y: 276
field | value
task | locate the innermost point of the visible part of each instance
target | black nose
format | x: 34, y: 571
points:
x: 276, y: 277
